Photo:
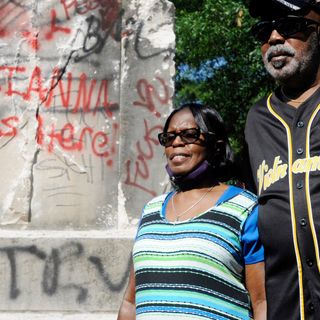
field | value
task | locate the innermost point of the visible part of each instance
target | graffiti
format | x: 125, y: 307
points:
x: 70, y: 94
x: 100, y: 27
x: 115, y: 287
x: 108, y: 9
x: 11, y: 124
x: 147, y: 93
x: 109, y: 19
x: 138, y: 172
x: 52, y: 269
x: 56, y: 87
x: 67, y: 140
x: 86, y: 100
x: 60, y: 87
x: 89, y: 95
x: 63, y: 167
x: 103, y: 22
x: 54, y: 27
x: 140, y: 52
x: 97, y: 35
x: 11, y: 255
x: 95, y: 39
x: 32, y: 39
x: 67, y: 137
x: 16, y: 20
x: 55, y: 268
x: 11, y: 14
x: 81, y: 8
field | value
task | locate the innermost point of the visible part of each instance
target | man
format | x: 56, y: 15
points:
x: 283, y: 137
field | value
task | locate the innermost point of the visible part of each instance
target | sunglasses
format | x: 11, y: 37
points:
x: 286, y: 27
x: 187, y: 136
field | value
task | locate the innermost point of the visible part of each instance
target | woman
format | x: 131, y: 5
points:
x: 197, y: 254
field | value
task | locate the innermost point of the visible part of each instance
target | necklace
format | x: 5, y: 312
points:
x: 178, y: 216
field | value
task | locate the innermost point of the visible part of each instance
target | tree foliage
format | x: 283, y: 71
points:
x: 219, y: 31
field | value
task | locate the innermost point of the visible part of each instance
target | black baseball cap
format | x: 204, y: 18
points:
x: 260, y: 8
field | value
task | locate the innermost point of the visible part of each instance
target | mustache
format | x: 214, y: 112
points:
x: 279, y: 49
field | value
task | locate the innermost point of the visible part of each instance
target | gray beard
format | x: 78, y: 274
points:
x: 281, y: 71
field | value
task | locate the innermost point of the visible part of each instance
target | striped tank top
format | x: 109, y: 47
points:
x: 192, y: 269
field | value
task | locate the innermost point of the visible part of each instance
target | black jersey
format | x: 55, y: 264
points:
x: 284, y: 151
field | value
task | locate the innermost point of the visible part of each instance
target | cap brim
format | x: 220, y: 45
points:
x: 260, y: 8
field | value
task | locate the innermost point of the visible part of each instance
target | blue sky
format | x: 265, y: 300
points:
x: 204, y: 72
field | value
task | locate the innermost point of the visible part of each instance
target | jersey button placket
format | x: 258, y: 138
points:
x: 311, y: 307
x: 303, y: 222
x: 309, y: 263
x: 300, y: 124
x: 300, y: 184
x: 300, y: 151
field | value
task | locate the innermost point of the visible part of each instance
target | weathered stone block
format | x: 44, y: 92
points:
x: 85, y: 86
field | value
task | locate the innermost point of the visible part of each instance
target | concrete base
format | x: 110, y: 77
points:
x: 57, y: 316
x: 73, y: 273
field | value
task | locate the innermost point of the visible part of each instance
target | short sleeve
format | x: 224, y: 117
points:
x: 252, y: 248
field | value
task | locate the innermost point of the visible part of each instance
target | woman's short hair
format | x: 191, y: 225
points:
x: 218, y: 149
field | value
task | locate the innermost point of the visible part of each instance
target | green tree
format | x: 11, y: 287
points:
x: 219, y: 30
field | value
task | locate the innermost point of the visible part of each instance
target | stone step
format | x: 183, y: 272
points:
x: 57, y: 316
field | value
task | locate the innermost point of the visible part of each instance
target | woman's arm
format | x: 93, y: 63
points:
x: 256, y: 287
x: 127, y: 309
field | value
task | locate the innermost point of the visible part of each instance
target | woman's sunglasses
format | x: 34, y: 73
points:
x: 187, y: 136
x: 286, y: 27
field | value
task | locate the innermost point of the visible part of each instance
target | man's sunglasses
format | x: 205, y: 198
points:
x: 286, y: 27
x: 187, y: 136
